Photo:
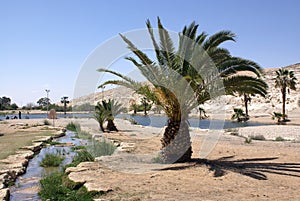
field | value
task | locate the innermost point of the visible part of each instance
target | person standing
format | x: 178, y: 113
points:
x: 20, y: 115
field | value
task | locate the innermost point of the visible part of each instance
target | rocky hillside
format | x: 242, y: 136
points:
x: 258, y: 105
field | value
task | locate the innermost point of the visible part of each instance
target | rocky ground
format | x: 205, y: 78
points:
x: 233, y: 170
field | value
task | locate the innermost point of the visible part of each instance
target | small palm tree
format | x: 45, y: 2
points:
x: 113, y: 108
x: 100, y: 115
x: 106, y: 111
x: 277, y: 115
x: 239, y: 115
x: 285, y: 80
x: 182, y: 79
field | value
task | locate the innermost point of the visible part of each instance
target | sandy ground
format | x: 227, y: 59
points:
x: 233, y: 170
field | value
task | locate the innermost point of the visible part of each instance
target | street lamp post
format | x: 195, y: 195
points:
x: 47, y: 91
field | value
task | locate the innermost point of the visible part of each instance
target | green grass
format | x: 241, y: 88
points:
x: 82, y: 156
x: 52, y: 160
x: 52, y: 143
x: 78, y: 148
x: 84, y: 135
x: 157, y: 159
x: 75, y: 127
x: 58, y: 187
x: 101, y: 148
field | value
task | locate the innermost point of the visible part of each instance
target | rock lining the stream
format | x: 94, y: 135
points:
x: 15, y: 165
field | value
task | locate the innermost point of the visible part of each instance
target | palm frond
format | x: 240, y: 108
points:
x: 218, y: 38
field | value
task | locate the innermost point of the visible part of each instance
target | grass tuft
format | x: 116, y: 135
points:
x: 57, y: 187
x: 52, y: 160
x: 101, y: 148
x: 248, y: 140
x: 75, y: 127
x: 257, y: 137
x: 279, y: 139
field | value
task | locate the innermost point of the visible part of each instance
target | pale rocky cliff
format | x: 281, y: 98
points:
x: 258, y: 105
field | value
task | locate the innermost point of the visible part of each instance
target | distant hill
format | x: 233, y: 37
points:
x: 258, y: 105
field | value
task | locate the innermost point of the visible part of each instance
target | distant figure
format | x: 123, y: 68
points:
x: 15, y: 117
x: 20, y: 115
x: 7, y: 117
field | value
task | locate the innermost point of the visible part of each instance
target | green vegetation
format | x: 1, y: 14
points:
x: 179, y: 83
x: 52, y: 160
x: 57, y: 186
x: 52, y: 143
x: 279, y: 116
x: 139, y: 107
x: 5, y: 104
x: 285, y: 80
x: 144, y: 106
x: 75, y: 127
x: 248, y: 140
x: 157, y: 159
x: 257, y: 137
x: 106, y: 111
x: 239, y: 115
x: 102, y: 148
x: 46, y: 122
x: 78, y: 147
x: 279, y: 139
x: 84, y: 135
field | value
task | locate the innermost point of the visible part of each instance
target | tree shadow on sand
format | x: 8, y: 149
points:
x: 254, y: 167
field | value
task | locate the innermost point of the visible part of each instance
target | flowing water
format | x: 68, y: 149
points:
x: 27, y: 186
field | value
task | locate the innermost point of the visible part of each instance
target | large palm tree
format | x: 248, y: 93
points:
x: 184, y: 78
x: 285, y: 80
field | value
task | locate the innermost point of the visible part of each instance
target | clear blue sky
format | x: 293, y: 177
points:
x: 44, y: 43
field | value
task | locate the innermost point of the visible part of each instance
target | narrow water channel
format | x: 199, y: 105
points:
x: 27, y: 186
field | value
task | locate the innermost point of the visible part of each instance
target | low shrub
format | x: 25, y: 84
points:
x: 157, y: 159
x: 257, y: 137
x: 84, y: 135
x: 279, y: 139
x: 46, y: 122
x: 75, y: 127
x: 248, y: 140
x: 82, y: 156
x: 52, y: 160
x: 57, y: 187
x: 101, y: 148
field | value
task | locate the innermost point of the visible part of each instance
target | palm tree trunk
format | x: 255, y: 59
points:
x: 111, y: 125
x: 101, y: 127
x: 246, y: 104
x: 176, y: 142
x: 283, y: 102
